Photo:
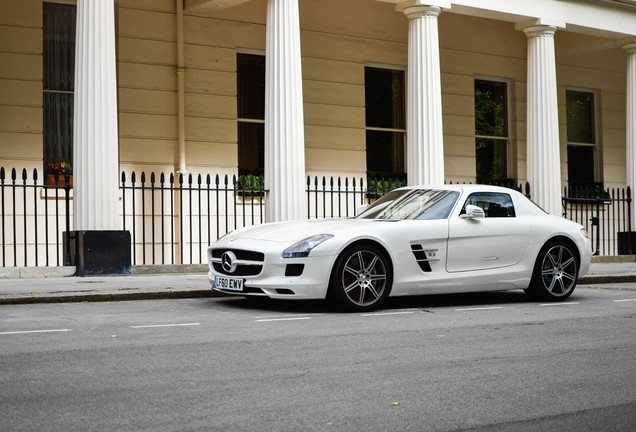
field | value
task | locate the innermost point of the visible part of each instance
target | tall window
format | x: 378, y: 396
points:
x: 58, y: 74
x: 250, y: 84
x: 491, y: 131
x: 385, y: 123
x: 581, y: 138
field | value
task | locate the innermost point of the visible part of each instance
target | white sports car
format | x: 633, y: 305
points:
x: 414, y: 240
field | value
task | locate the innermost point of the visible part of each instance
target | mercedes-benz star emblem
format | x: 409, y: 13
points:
x: 228, y: 261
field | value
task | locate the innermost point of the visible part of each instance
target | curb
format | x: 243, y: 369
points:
x: 105, y: 296
x: 607, y: 279
x: 189, y: 293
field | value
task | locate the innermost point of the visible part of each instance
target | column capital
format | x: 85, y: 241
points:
x: 540, y: 30
x: 630, y: 47
x: 422, y: 8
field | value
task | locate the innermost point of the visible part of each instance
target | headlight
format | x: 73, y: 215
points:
x: 303, y: 247
x: 584, y: 233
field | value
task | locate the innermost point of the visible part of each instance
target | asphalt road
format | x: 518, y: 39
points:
x: 486, y: 362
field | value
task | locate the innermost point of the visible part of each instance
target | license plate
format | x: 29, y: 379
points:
x: 229, y: 284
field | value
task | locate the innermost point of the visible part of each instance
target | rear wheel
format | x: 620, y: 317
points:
x: 555, y: 272
x: 361, y: 279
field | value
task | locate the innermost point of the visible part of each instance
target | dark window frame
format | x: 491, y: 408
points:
x: 581, y: 142
x: 492, y: 137
x: 58, y: 70
x: 250, y: 86
x: 383, y: 132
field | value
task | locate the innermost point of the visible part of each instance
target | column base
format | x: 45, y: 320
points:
x: 99, y: 252
x: 627, y: 243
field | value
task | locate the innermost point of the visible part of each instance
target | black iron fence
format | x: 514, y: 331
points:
x: 603, y: 212
x: 34, y: 216
x: 172, y: 219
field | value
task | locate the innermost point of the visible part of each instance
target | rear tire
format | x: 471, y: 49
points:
x: 361, y: 279
x: 555, y: 272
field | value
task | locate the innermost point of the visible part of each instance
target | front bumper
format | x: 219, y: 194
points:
x: 272, y: 282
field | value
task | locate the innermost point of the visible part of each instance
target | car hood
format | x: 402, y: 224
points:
x: 292, y: 231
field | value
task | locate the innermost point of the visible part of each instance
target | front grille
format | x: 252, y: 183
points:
x: 240, y: 254
x: 241, y: 270
x: 250, y: 262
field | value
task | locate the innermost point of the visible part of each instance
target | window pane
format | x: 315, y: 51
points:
x: 580, y: 165
x: 385, y: 154
x: 58, y: 128
x: 491, y: 108
x: 580, y: 114
x: 384, y: 98
x: 59, y: 46
x: 250, y: 83
x: 251, y: 145
x: 494, y: 204
x: 492, y: 160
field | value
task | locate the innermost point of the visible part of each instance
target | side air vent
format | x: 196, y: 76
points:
x: 424, y: 256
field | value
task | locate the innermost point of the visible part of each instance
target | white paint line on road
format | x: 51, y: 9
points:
x: 479, y: 308
x: 559, y: 304
x: 283, y: 316
x: 34, y: 331
x: 284, y: 319
x: 165, y: 325
x: 386, y: 313
x: 624, y: 300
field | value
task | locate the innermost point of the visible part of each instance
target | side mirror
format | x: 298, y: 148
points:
x: 361, y: 208
x: 473, y: 212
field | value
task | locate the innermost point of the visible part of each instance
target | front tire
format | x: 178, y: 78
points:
x: 361, y: 279
x: 555, y: 272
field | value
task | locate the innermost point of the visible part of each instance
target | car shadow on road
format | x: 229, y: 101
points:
x: 480, y: 299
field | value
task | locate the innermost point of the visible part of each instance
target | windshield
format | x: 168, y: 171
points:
x: 409, y: 204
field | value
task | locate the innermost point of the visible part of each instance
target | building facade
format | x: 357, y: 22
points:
x: 542, y: 91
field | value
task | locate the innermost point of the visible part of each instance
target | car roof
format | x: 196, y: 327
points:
x: 468, y: 188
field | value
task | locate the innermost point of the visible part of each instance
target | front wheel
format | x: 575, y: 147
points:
x: 361, y: 279
x: 555, y: 272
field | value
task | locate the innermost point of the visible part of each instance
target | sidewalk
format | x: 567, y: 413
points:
x: 48, y: 285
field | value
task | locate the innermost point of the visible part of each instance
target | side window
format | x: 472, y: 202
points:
x: 494, y: 204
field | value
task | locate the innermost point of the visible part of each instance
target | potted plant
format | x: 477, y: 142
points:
x: 58, y: 169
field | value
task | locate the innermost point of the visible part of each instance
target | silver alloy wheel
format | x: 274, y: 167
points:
x: 364, y: 278
x: 559, y: 271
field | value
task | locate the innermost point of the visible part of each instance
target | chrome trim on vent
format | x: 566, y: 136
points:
x: 425, y: 252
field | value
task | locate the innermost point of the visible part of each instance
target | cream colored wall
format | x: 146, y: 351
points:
x: 592, y: 64
x: 484, y: 48
x: 21, y: 85
x: 334, y: 53
x: 147, y: 85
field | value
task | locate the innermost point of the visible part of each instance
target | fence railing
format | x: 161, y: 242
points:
x: 172, y: 219
x: 33, y: 219
x: 603, y: 212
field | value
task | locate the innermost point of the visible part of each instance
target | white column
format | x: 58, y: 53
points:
x: 630, y: 142
x: 284, y: 124
x: 543, y: 151
x: 95, y: 146
x: 424, y: 134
